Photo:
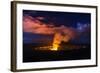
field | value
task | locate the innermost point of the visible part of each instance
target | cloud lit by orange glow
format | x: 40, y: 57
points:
x: 35, y: 26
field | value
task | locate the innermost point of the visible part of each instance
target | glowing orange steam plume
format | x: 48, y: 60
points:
x: 61, y: 36
x: 56, y: 41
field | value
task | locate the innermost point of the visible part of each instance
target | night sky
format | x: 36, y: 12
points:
x: 65, y: 18
x: 78, y: 21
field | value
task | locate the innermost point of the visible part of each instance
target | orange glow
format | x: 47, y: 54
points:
x: 55, y: 47
x: 56, y: 41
